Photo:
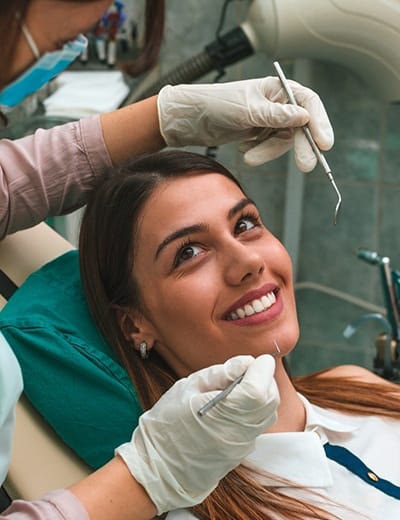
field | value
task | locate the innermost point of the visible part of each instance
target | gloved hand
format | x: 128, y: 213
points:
x: 179, y: 457
x: 254, y: 111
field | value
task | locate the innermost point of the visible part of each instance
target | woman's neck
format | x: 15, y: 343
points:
x: 291, y: 412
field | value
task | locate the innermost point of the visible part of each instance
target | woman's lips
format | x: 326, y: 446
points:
x: 256, y: 307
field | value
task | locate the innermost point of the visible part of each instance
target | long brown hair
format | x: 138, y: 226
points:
x: 107, y: 256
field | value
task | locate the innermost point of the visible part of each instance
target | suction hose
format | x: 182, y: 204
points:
x: 225, y: 50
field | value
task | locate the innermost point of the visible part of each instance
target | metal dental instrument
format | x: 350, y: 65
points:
x: 213, y: 402
x: 321, y: 159
x: 278, y: 350
x: 224, y: 393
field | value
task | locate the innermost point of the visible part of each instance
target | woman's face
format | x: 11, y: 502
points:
x: 214, y: 281
x: 55, y: 22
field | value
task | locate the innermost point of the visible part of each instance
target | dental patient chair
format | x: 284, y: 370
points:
x: 78, y: 403
x: 40, y: 460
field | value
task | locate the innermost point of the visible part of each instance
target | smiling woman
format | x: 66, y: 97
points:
x: 184, y: 251
x: 180, y: 273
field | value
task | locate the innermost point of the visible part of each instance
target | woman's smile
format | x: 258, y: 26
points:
x: 256, y: 307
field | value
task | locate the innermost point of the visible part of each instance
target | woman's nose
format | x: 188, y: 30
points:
x: 243, y: 262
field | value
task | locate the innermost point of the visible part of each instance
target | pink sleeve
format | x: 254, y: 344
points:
x: 48, y: 173
x: 56, y: 505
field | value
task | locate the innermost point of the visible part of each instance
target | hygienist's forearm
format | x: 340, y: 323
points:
x: 50, y: 172
x: 132, y: 130
x: 112, y: 493
x: 109, y: 493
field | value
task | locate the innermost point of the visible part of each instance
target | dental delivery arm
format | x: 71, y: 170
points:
x: 167, y: 472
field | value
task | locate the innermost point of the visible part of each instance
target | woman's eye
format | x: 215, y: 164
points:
x: 244, y: 224
x: 186, y: 253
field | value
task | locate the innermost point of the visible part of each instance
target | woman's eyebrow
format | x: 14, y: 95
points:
x: 239, y: 206
x: 179, y: 233
x: 200, y: 228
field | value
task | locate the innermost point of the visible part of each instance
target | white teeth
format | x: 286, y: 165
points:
x: 248, y: 309
x: 240, y: 313
x: 256, y: 306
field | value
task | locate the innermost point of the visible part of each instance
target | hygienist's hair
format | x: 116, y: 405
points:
x: 154, y: 24
x: 107, y: 256
x: 9, y: 34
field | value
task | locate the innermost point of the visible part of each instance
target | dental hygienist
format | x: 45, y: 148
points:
x: 50, y: 172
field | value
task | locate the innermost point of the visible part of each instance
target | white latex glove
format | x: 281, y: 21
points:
x: 254, y: 111
x: 179, y: 457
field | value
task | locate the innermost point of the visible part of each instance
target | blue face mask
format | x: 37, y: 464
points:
x: 45, y: 69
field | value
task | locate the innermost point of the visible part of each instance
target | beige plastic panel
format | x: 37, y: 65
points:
x: 25, y: 251
x: 40, y: 460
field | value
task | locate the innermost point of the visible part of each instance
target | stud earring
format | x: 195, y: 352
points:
x: 144, y: 353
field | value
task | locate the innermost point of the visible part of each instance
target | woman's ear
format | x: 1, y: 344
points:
x: 135, y: 327
x: 125, y: 321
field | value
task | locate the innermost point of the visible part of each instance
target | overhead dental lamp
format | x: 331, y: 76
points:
x: 363, y: 35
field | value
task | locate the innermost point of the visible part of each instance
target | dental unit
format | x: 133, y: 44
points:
x: 387, y: 343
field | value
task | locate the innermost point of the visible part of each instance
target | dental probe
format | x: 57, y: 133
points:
x: 321, y: 159
x: 224, y: 393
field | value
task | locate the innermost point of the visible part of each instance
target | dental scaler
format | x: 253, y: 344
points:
x: 321, y: 159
